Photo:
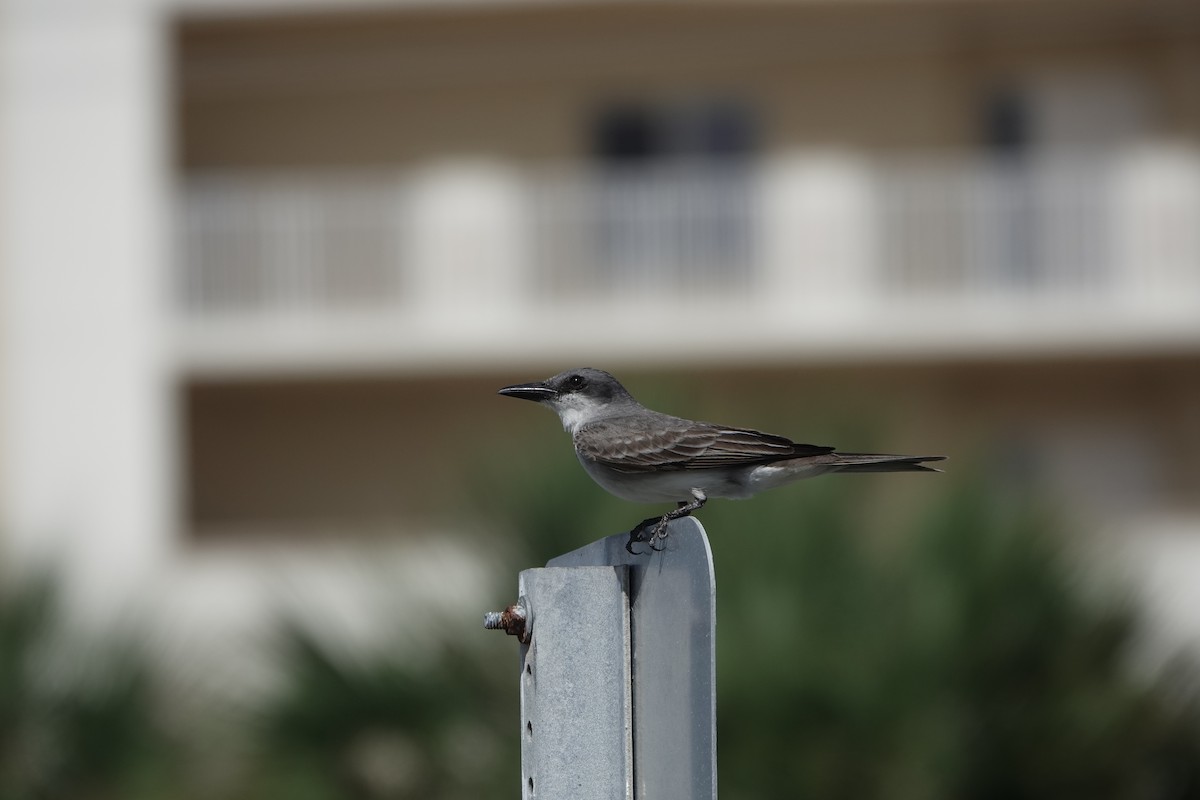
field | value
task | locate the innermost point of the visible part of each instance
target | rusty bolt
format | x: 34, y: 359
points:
x: 511, y: 620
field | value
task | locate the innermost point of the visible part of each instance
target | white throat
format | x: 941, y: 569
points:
x: 572, y: 417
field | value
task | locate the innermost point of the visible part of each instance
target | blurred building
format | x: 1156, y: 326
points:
x: 262, y: 259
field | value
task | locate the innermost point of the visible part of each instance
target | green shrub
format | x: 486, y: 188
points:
x: 963, y: 655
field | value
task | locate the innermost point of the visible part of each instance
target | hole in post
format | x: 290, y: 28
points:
x: 530, y: 783
x: 529, y: 728
x: 528, y: 669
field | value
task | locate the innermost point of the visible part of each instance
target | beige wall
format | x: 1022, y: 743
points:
x: 391, y: 455
x: 391, y: 88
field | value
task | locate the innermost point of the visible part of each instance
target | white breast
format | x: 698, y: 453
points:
x: 663, y: 487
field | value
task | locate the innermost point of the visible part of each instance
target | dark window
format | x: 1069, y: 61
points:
x: 707, y: 131
x: 1006, y: 121
x: 627, y: 134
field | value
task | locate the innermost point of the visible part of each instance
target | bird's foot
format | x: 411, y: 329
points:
x: 638, y: 534
x: 657, y: 538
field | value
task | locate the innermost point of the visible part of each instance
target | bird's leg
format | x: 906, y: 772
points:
x: 660, y: 523
x: 683, y: 510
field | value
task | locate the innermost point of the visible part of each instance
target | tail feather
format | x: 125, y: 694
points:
x: 879, y: 462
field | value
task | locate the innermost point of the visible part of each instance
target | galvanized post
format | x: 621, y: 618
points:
x: 618, y: 692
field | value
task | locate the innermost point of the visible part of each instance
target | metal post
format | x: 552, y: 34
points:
x: 618, y: 692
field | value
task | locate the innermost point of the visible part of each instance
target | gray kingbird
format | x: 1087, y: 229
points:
x: 644, y: 456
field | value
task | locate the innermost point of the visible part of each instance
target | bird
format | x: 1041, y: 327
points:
x: 645, y: 456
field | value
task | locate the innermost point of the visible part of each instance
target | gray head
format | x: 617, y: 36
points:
x: 577, y: 395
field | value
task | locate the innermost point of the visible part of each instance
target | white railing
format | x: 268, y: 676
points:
x: 681, y: 229
x: 808, y: 228
x: 258, y: 245
x: 1067, y: 227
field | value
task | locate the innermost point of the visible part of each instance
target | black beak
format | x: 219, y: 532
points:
x: 529, y: 391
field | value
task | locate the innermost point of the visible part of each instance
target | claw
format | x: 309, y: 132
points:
x: 660, y: 534
x: 660, y: 524
x: 638, y: 535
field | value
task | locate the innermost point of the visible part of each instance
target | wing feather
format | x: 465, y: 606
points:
x: 650, y: 444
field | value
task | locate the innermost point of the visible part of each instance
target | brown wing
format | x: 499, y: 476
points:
x: 648, y: 444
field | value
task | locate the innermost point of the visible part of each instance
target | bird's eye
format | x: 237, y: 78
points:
x: 575, y: 382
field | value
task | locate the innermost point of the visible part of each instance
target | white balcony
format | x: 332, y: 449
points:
x: 814, y: 255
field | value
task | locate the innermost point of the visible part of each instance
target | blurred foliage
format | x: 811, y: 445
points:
x: 387, y: 726
x: 961, y: 653
x: 78, y: 719
x: 89, y: 721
